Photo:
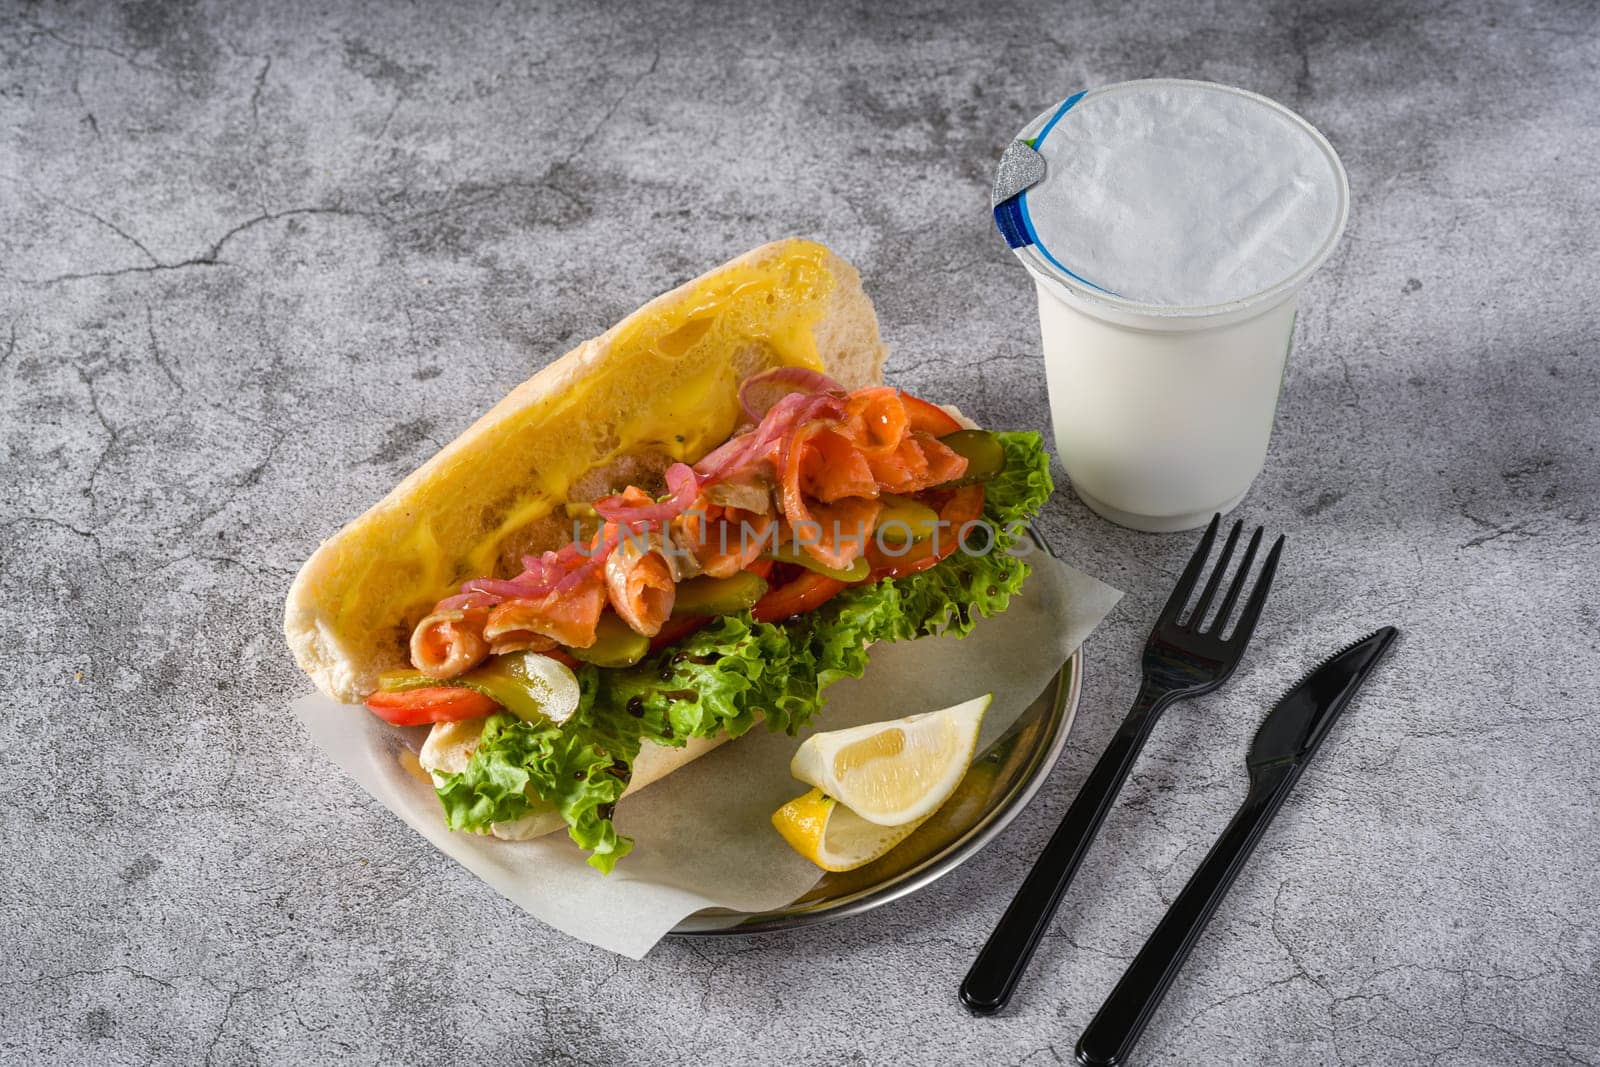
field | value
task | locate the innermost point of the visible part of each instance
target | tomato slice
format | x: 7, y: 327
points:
x: 927, y: 417
x: 963, y: 506
x: 440, y: 703
x: 806, y: 593
x: 675, y: 629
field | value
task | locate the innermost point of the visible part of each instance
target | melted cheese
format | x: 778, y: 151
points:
x: 453, y: 518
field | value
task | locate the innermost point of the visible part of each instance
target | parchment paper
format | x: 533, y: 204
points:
x: 702, y: 835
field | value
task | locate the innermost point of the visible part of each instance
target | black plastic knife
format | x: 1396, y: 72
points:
x: 1283, y: 745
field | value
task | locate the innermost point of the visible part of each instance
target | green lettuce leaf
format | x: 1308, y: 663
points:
x: 580, y: 772
x: 725, y: 676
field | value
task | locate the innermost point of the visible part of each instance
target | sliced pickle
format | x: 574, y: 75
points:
x: 903, y: 521
x: 615, y: 644
x: 403, y: 680
x: 530, y: 685
x: 984, y: 454
x: 858, y: 570
x: 718, y: 596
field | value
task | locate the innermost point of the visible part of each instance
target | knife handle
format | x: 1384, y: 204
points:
x: 994, y: 974
x: 1112, y: 1032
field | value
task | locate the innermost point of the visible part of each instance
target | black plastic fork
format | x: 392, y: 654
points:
x: 1180, y: 660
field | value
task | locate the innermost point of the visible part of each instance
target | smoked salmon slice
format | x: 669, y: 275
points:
x: 639, y: 582
x: 835, y: 534
x: 833, y: 467
x: 917, y: 463
x: 568, y: 616
x: 875, y: 419
x: 902, y: 469
x: 945, y: 464
x: 723, y: 540
x: 449, y: 643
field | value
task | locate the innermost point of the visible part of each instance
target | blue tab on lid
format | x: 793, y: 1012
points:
x: 1008, y: 216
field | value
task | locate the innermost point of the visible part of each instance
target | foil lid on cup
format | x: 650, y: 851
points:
x: 1173, y: 197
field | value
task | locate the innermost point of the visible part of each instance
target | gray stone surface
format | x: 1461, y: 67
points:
x: 255, y: 264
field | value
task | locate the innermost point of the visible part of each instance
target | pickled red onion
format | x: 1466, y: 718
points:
x: 755, y: 445
x: 465, y: 601
x: 683, y: 486
x: 761, y: 392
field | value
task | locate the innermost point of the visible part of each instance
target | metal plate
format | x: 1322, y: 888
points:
x: 996, y: 787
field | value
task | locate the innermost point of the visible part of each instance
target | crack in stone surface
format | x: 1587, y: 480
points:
x: 11, y: 344
x: 155, y: 350
x: 211, y: 257
x: 56, y: 36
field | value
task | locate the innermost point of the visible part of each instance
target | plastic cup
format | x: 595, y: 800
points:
x: 1163, y: 414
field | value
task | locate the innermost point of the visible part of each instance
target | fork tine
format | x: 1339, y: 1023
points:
x: 1191, y: 574
x: 1210, y: 591
x: 1237, y: 585
x: 1258, y: 596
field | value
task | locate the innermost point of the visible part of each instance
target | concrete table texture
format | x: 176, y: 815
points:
x: 257, y: 262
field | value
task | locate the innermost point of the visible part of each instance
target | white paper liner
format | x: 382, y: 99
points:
x: 702, y: 835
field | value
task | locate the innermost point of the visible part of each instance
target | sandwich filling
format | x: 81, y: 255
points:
x: 738, y: 591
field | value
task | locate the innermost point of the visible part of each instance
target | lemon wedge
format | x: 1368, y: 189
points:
x: 832, y: 836
x: 893, y: 773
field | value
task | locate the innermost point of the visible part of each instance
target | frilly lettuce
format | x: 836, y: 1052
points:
x: 581, y: 772
x: 726, y: 675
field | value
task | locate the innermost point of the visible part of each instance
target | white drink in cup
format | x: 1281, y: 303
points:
x: 1169, y: 236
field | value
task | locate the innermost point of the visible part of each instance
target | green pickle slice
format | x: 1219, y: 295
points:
x: 858, y: 570
x: 615, y: 644
x: 718, y: 596
x: 504, y: 679
x: 985, y: 455
x: 507, y: 679
x: 903, y: 521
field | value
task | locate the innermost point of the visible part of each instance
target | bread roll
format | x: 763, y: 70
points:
x: 660, y: 386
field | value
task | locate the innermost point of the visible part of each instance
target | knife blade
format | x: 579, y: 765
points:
x: 1283, y: 746
x: 1295, y: 727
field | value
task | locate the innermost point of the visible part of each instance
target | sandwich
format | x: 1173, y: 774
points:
x: 687, y: 526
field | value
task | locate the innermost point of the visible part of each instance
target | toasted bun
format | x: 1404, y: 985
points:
x: 660, y: 386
